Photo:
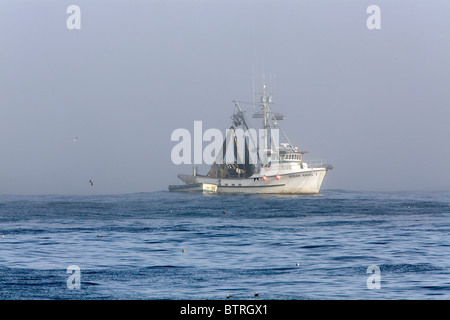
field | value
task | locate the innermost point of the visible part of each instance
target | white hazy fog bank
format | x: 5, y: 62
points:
x: 373, y: 103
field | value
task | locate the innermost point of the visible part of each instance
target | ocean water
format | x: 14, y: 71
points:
x: 164, y: 245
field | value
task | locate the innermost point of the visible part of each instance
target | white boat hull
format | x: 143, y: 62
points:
x: 306, y: 181
x: 195, y: 187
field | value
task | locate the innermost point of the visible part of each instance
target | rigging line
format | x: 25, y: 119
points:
x: 237, y: 148
x: 246, y: 122
x: 222, y: 152
x: 282, y: 131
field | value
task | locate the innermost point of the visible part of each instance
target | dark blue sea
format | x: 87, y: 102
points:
x: 165, y: 245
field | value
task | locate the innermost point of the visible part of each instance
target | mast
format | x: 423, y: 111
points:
x: 265, y: 118
x: 267, y: 126
x: 270, y: 120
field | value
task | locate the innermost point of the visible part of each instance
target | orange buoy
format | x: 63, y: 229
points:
x: 278, y: 177
x: 264, y: 178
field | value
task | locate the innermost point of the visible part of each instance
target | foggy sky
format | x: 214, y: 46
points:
x: 373, y: 103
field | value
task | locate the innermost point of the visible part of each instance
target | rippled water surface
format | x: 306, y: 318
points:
x: 284, y: 247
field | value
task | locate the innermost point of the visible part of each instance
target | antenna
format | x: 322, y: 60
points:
x: 253, y: 80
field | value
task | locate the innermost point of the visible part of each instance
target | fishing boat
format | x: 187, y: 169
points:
x: 263, y: 166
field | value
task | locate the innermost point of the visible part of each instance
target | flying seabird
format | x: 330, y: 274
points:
x: 91, y: 182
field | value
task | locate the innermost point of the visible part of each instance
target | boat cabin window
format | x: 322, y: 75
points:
x: 291, y: 157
